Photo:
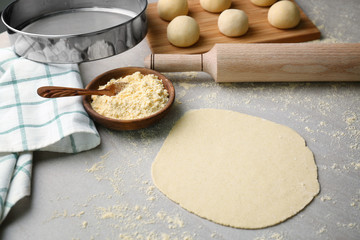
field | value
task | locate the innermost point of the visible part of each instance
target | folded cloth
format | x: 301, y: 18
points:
x: 30, y: 123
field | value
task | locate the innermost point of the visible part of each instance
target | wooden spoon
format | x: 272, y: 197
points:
x: 55, y: 92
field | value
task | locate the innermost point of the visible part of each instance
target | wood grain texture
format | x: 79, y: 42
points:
x: 55, y: 91
x: 268, y: 62
x: 260, y: 31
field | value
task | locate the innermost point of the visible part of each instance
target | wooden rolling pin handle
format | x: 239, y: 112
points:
x: 174, y: 62
x: 269, y: 62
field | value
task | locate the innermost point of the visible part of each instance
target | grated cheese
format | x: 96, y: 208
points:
x: 142, y: 96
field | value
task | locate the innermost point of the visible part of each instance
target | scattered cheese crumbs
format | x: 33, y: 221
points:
x: 142, y: 96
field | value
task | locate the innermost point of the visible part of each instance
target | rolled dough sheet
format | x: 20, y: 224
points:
x: 235, y: 169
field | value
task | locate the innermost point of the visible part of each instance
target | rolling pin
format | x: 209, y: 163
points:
x: 268, y: 62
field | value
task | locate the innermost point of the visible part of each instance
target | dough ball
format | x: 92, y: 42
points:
x: 183, y: 31
x: 169, y: 9
x: 263, y: 3
x: 284, y: 14
x: 215, y: 6
x: 233, y: 22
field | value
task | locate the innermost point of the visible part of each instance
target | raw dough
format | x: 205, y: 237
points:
x: 233, y: 22
x: 183, y: 31
x: 235, y: 169
x: 215, y: 6
x: 284, y: 15
x: 263, y: 3
x: 169, y: 9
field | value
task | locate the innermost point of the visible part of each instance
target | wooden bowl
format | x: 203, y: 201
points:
x: 127, y: 124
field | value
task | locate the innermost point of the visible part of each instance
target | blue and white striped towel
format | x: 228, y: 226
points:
x: 31, y: 123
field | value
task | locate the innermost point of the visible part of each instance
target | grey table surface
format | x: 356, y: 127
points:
x: 107, y: 192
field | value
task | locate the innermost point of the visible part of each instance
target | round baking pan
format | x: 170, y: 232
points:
x: 74, y: 31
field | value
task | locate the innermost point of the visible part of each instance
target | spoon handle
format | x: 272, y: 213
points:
x: 55, y: 92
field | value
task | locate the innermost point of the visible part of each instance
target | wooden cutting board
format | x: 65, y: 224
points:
x: 260, y: 31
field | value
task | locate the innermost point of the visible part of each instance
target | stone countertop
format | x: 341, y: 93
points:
x: 107, y: 193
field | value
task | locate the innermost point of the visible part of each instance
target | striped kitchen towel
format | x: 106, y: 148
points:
x: 30, y: 123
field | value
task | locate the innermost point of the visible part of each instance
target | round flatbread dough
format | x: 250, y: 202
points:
x: 233, y: 23
x: 169, y: 9
x: 284, y: 15
x: 263, y: 3
x: 215, y: 6
x: 183, y: 31
x: 235, y: 169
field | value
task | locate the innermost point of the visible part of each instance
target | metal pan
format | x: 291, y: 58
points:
x: 74, y: 31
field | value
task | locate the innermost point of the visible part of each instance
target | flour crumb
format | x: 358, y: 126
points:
x: 106, y: 213
x: 321, y: 230
x: 334, y: 166
x: 165, y: 236
x: 277, y: 236
x: 325, y: 198
x: 65, y: 213
x: 161, y: 215
x: 80, y: 214
x: 355, y: 201
x: 260, y: 238
x: 105, y: 156
x: 187, y: 85
x: 355, y: 165
x: 187, y: 238
x: 271, y: 236
x: 96, y: 167
x: 174, y: 222
x: 84, y: 224
x: 150, y: 190
x: 350, y: 118
x: 125, y: 237
x: 309, y: 130
x: 347, y: 225
x: 152, y: 198
x: 351, y: 225
x: 322, y: 123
